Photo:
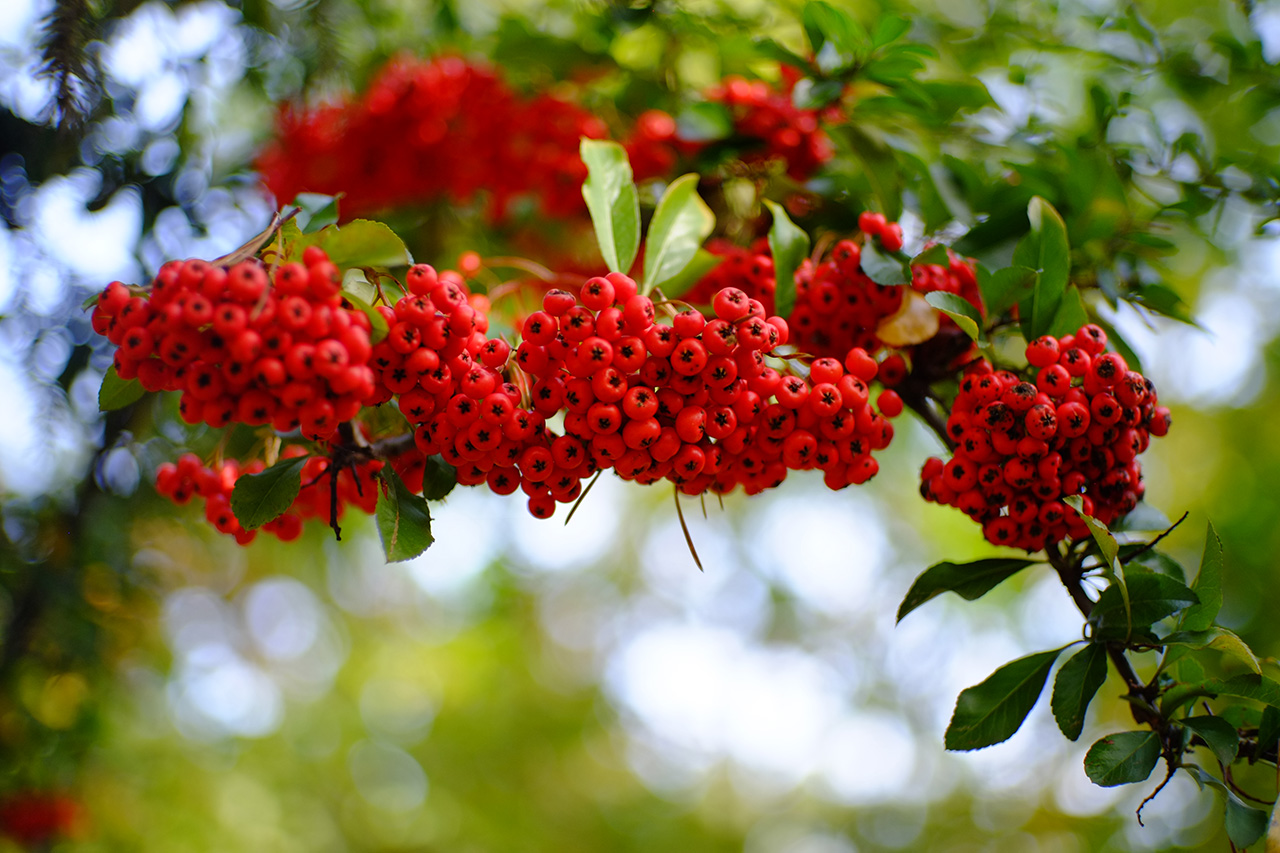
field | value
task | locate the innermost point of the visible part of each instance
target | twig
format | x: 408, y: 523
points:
x: 582, y: 497
x: 1147, y: 547
x: 685, y: 528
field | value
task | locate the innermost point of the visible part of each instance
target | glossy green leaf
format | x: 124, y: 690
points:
x: 317, y: 211
x: 359, y: 243
x: 959, y: 309
x: 810, y: 94
x: 680, y: 224
x: 702, y: 264
x: 259, y: 498
x: 789, y: 244
x: 377, y: 323
x: 970, y: 581
x: 1152, y: 597
x: 1219, y: 735
x: 1162, y: 300
x: 992, y: 711
x: 936, y: 254
x: 704, y: 121
x: 1219, y: 639
x: 889, y: 28
x: 1245, y: 825
x: 1004, y: 288
x: 438, y: 479
x: 1071, y: 314
x: 1246, y: 686
x: 116, y: 393
x: 404, y: 519
x: 1269, y: 729
x: 825, y: 23
x: 612, y: 199
x: 1075, y: 685
x: 1122, y: 758
x: 1207, y: 585
x: 1045, y: 250
x: 883, y: 268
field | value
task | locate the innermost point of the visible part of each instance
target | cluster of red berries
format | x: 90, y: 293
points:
x: 36, y: 819
x: 449, y: 128
x: 189, y: 478
x: 765, y: 122
x: 693, y: 402
x: 1022, y: 446
x: 244, y: 345
x: 838, y: 307
x: 439, y: 129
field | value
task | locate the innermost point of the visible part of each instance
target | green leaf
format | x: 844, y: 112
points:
x: 1245, y: 825
x: 1106, y: 542
x: 1162, y: 300
x: 116, y: 393
x: 259, y: 498
x: 1046, y: 251
x: 1219, y: 639
x: 1109, y: 549
x: 680, y: 224
x: 703, y: 263
x: 936, y: 254
x: 970, y: 581
x: 1247, y: 686
x: 1071, y: 314
x: 1219, y: 735
x: 824, y: 23
x: 1151, y: 598
x: 1268, y: 729
x: 810, y: 94
x: 789, y: 245
x: 1122, y: 758
x: 959, y: 309
x: 318, y: 211
x: 704, y: 122
x: 378, y: 324
x: 889, y: 28
x: 1207, y: 586
x: 438, y: 479
x: 883, y: 269
x: 1075, y: 685
x: 770, y: 49
x: 611, y: 197
x: 992, y: 711
x: 359, y: 243
x: 1004, y: 288
x: 404, y: 519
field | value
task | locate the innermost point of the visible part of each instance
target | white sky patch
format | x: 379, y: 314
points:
x: 826, y: 551
x: 551, y: 545
x: 707, y: 691
x: 468, y: 532
x: 93, y: 245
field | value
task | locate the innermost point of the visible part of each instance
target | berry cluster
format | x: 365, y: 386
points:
x: 838, y: 307
x: 474, y: 133
x: 766, y: 125
x: 785, y: 131
x: 188, y: 478
x: 1022, y: 446
x: 38, y: 819
x: 441, y: 129
x: 245, y: 345
x: 693, y: 402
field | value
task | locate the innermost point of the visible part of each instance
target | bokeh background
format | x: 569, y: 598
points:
x: 530, y: 685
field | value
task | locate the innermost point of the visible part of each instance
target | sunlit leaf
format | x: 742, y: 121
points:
x: 1207, y: 585
x: 789, y: 244
x: 1075, y: 685
x: 404, y: 519
x: 1122, y: 758
x: 612, y: 199
x: 259, y: 498
x: 116, y: 393
x: 680, y: 224
x: 992, y: 711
